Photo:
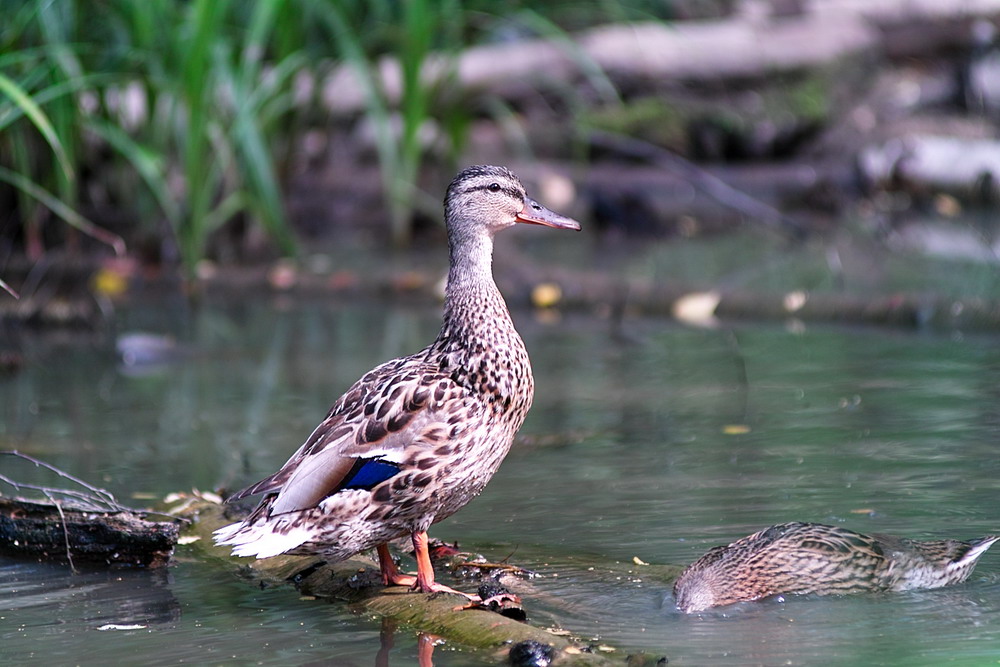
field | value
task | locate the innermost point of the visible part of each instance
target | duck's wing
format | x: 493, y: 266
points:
x: 361, y: 442
x: 821, y: 539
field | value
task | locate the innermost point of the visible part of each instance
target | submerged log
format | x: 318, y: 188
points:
x: 68, y: 533
x: 357, y: 581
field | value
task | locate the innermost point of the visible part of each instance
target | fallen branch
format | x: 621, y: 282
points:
x: 92, y: 498
x: 79, y: 526
x: 699, y: 178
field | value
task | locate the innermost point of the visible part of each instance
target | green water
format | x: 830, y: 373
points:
x: 656, y: 441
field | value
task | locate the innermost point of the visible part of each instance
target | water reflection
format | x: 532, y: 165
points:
x: 54, y: 595
x: 425, y: 646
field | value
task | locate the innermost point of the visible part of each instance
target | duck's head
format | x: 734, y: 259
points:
x: 695, y: 589
x: 486, y: 199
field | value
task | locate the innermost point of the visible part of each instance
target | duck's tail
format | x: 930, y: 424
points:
x: 262, y: 538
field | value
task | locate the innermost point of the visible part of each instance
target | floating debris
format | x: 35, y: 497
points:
x: 115, y: 626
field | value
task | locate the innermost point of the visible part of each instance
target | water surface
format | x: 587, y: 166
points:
x: 651, y: 441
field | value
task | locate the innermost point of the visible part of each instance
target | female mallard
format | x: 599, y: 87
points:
x: 823, y: 560
x: 417, y: 437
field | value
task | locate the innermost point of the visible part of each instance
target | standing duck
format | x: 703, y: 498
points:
x: 814, y: 558
x: 417, y: 437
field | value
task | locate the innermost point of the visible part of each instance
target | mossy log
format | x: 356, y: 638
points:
x: 45, y: 531
x: 356, y: 582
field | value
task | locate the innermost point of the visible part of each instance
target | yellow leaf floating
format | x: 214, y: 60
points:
x: 546, y: 295
x: 110, y: 283
x: 735, y: 429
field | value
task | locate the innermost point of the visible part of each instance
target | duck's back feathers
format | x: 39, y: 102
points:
x: 383, y: 461
x: 377, y: 428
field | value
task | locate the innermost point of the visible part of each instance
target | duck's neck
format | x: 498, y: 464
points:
x: 478, y: 345
x: 471, y: 263
x: 473, y: 305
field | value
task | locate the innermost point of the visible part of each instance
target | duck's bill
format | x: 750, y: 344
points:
x: 534, y: 213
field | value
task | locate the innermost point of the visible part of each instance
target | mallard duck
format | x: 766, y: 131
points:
x: 417, y: 437
x: 824, y: 560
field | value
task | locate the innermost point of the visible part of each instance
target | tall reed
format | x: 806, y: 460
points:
x: 177, y: 110
x: 412, y: 32
x: 177, y: 91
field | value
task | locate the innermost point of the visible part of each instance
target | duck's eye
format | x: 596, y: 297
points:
x: 493, y: 187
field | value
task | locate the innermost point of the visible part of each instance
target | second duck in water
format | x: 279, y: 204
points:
x: 801, y: 558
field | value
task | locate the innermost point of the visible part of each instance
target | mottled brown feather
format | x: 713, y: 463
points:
x: 803, y: 558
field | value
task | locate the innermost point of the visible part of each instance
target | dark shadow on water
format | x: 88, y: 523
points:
x: 95, y: 597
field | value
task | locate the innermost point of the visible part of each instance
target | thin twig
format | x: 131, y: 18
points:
x: 92, y: 500
x: 62, y: 518
x: 10, y: 290
x: 86, y: 500
x: 99, y: 495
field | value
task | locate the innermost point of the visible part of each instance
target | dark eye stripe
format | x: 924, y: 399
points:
x: 511, y: 192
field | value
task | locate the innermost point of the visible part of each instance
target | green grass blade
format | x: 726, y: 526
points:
x: 204, y: 20
x: 226, y: 209
x: 591, y: 68
x: 67, y: 213
x: 261, y: 24
x: 350, y: 46
x: 54, y: 92
x: 148, y: 163
x: 38, y: 119
x: 257, y: 166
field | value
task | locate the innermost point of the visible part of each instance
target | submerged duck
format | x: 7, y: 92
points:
x: 417, y: 437
x: 824, y: 560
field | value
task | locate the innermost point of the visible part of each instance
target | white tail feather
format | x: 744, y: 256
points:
x: 259, y: 540
x: 976, y: 551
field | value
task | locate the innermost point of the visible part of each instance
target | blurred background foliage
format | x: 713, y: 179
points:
x: 165, y: 120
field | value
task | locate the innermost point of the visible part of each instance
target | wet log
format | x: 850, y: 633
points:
x: 67, y: 533
x: 358, y: 583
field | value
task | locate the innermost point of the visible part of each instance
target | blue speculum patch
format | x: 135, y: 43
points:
x: 369, y: 473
